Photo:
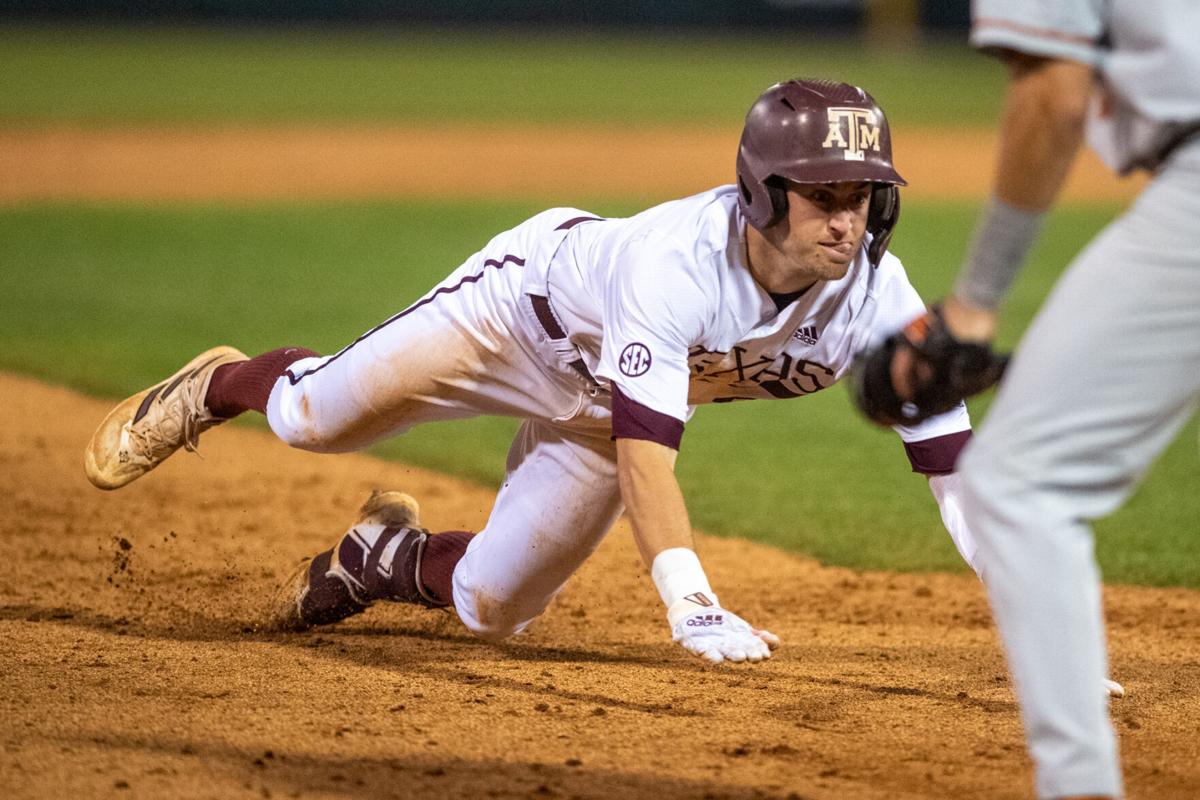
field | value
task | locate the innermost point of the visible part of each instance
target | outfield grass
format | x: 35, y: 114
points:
x: 154, y: 76
x: 110, y: 299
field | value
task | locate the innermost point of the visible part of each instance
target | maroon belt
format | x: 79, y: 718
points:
x: 549, y: 323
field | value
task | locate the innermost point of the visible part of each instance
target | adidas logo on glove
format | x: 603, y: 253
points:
x: 706, y: 621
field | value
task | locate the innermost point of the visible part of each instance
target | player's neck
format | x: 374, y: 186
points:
x: 771, y: 269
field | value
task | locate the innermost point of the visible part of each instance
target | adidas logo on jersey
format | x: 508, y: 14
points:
x: 807, y: 334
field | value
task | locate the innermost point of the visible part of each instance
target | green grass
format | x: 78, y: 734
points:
x: 110, y: 299
x: 146, y: 75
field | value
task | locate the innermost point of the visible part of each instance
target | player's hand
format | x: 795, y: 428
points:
x: 967, y: 322
x: 921, y: 371
x: 717, y: 635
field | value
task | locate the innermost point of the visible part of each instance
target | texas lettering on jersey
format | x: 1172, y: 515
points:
x: 663, y: 306
x: 742, y: 375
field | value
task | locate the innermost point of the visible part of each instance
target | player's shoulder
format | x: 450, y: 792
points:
x: 703, y: 219
x: 690, y: 234
x: 719, y: 198
x: 889, y: 294
x: 687, y: 215
x: 887, y: 277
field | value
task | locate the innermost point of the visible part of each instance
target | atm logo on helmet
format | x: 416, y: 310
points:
x: 854, y: 130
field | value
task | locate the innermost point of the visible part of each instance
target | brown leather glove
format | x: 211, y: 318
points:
x: 921, y: 371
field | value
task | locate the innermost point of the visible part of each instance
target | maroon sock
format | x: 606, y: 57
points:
x: 442, y: 552
x: 246, y: 385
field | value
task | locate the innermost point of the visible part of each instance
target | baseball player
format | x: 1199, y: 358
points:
x: 1107, y: 372
x: 602, y: 335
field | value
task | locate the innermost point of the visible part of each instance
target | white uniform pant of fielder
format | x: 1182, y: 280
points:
x: 1105, y: 376
x: 472, y: 346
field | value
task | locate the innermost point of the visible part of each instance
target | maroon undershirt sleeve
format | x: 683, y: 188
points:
x: 632, y: 420
x: 936, y: 456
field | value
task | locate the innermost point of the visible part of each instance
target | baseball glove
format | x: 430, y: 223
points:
x: 934, y: 371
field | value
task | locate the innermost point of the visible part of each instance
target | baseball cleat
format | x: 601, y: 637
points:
x: 141, y: 432
x: 377, y: 559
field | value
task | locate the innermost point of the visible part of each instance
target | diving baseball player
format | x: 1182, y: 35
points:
x: 602, y: 335
x: 1107, y: 372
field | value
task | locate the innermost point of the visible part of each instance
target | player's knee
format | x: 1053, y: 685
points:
x: 295, y: 423
x: 978, y: 467
x: 993, y: 456
x: 307, y: 435
x: 1000, y: 486
x: 492, y: 618
x: 971, y: 464
x: 497, y: 632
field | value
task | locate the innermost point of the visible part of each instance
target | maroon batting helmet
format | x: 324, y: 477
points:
x: 810, y: 131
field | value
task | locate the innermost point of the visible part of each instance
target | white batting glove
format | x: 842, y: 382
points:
x: 695, y: 615
x: 716, y: 634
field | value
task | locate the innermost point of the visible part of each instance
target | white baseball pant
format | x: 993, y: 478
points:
x: 1103, y: 379
x: 473, y: 346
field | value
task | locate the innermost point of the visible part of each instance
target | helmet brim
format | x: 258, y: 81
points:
x: 842, y: 172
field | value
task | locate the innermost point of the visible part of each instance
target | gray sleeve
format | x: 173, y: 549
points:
x: 1003, y: 236
x: 1064, y: 29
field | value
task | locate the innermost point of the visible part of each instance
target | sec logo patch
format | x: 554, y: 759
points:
x: 635, y: 359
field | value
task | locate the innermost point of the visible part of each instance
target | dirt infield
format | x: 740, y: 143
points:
x: 562, y: 165
x: 132, y: 667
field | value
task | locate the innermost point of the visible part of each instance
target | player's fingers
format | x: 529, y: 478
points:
x: 901, y: 370
x: 735, y: 654
x: 703, y: 649
x: 749, y: 646
x: 771, y: 640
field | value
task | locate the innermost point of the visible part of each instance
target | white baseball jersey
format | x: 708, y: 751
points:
x: 664, y: 305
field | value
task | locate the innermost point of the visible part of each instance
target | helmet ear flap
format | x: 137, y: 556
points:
x: 777, y: 193
x: 882, y: 216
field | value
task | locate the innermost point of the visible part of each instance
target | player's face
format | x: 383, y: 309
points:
x: 826, y: 223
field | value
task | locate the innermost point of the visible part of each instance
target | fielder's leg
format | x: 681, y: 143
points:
x: 1103, y: 379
